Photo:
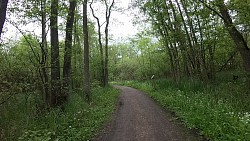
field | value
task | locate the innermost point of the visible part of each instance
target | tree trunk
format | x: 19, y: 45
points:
x: 55, y: 63
x: 202, y: 54
x: 172, y: 42
x: 108, y: 13
x: 100, y: 47
x: 68, y: 51
x: 168, y: 45
x: 180, y: 40
x: 3, y: 8
x: 191, y: 47
x: 106, y: 59
x: 238, y: 39
x: 44, y: 50
x: 86, y: 53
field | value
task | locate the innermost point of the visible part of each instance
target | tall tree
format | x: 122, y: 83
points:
x: 86, y: 52
x: 108, y: 14
x: 3, y: 8
x: 104, y: 60
x: 44, y: 51
x: 100, y: 45
x: 68, y: 50
x: 55, y: 63
x: 236, y: 35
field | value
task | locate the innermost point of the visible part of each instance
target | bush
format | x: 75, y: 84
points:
x: 80, y: 121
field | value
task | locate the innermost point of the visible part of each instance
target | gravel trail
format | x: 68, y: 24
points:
x: 139, y: 118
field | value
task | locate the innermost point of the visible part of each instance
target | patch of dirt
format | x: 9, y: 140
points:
x: 139, y: 118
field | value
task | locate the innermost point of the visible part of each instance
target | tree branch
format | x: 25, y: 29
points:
x: 231, y: 57
x: 93, y: 13
x: 108, y: 9
x: 2, y: 102
x: 98, y: 21
x: 32, y: 49
x: 210, y: 8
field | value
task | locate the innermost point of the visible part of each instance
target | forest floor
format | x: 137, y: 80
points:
x: 139, y: 118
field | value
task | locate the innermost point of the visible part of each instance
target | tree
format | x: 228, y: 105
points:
x: 108, y: 14
x: 36, y: 11
x: 68, y: 50
x: 56, y: 98
x: 237, y: 37
x: 103, y: 60
x: 44, y: 51
x: 3, y: 8
x: 100, y: 45
x: 86, y: 52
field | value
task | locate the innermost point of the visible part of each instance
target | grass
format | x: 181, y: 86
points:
x: 80, y: 121
x: 220, y: 111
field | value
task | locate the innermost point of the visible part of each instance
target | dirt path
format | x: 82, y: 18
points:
x: 138, y: 118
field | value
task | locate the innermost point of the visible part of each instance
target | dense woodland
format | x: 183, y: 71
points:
x: 46, y: 79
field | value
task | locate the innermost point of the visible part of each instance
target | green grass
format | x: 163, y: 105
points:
x: 220, y: 111
x: 79, y: 122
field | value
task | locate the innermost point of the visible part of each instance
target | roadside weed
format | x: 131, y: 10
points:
x: 79, y: 122
x: 216, y: 111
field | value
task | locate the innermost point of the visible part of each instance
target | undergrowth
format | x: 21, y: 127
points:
x: 79, y: 122
x: 220, y: 111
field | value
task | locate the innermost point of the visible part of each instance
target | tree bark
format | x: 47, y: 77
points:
x: 68, y: 51
x: 86, y: 53
x: 3, y: 8
x: 55, y: 63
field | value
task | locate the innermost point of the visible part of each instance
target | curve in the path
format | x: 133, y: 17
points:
x: 138, y: 118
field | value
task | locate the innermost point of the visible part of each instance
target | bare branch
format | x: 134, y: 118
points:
x: 103, y: 23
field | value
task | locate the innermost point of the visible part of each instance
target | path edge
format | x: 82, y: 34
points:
x: 105, y: 129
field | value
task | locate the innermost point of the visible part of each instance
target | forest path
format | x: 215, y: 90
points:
x: 139, y: 118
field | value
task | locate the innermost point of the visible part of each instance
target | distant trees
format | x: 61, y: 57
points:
x: 139, y: 58
x: 193, y: 35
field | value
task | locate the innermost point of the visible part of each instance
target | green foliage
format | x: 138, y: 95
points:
x: 219, y: 112
x: 139, y: 58
x: 79, y: 121
x: 19, y: 74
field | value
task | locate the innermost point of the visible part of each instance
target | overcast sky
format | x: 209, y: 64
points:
x: 121, y: 22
